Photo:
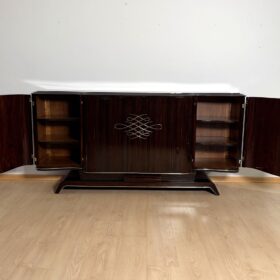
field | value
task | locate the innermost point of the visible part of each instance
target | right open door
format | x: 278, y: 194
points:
x: 262, y: 135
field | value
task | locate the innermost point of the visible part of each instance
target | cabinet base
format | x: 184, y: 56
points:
x: 193, y: 181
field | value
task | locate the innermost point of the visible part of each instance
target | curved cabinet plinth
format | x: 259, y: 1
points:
x: 192, y: 181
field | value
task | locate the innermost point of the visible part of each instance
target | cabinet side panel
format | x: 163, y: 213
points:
x: 262, y: 135
x: 15, y: 131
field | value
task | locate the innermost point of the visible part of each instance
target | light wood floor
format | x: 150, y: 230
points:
x: 139, y: 235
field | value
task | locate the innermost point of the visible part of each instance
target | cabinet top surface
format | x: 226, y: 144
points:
x: 137, y: 93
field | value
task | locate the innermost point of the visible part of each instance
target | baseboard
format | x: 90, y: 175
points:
x: 216, y: 179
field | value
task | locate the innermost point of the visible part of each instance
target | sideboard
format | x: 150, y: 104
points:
x: 139, y: 140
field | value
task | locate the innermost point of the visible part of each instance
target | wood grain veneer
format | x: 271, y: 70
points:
x: 168, y: 150
x: 15, y: 131
x: 262, y: 138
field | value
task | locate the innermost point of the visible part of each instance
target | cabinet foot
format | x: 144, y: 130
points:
x: 72, y: 178
x: 202, y: 178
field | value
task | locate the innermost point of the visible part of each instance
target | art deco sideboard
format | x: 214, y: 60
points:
x: 139, y: 140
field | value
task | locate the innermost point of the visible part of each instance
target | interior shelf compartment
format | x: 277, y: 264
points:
x: 57, y: 106
x: 57, y: 162
x: 57, y: 156
x: 58, y: 132
x: 216, y: 157
x: 218, y: 134
x: 215, y: 141
x: 221, y: 112
x: 216, y: 164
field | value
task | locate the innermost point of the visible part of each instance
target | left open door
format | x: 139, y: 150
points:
x: 15, y: 131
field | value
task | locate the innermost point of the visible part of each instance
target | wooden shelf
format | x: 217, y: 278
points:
x: 57, y: 140
x: 57, y: 162
x: 211, y: 120
x: 58, y: 119
x: 215, y: 141
x: 216, y: 163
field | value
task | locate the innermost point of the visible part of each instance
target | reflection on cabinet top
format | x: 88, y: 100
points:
x: 173, y: 94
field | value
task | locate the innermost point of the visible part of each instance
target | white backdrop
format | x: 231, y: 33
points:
x: 158, y: 45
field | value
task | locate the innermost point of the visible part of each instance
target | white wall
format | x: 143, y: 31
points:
x: 72, y: 44
x: 158, y: 45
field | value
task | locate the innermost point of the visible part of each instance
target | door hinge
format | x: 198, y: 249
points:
x: 245, y: 104
x: 34, y: 158
x: 31, y: 101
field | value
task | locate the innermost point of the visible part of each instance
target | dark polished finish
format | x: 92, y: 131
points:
x: 201, y: 178
x: 156, y: 140
x: 76, y: 179
x: 262, y: 141
x: 149, y: 141
x: 15, y: 131
x: 139, y: 139
x: 139, y: 134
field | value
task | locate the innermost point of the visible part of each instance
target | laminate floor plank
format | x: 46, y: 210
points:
x: 139, y: 235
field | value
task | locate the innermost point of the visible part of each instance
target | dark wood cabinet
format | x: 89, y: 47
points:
x: 151, y: 140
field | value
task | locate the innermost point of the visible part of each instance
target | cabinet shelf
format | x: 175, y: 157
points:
x: 215, y: 141
x: 216, y: 163
x: 211, y: 120
x: 58, y: 119
x: 57, y: 162
x: 57, y: 140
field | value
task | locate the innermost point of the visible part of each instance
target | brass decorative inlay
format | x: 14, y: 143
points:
x: 138, y: 126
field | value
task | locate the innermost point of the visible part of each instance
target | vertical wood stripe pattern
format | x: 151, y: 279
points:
x: 15, y: 131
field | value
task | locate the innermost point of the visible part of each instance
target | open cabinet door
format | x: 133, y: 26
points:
x: 15, y: 131
x: 262, y: 135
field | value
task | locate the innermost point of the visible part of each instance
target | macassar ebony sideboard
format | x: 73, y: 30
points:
x: 139, y: 140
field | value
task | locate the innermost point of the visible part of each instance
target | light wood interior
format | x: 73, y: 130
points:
x: 58, y: 156
x: 217, y: 135
x: 55, y: 132
x: 58, y: 131
x: 215, y: 111
x: 139, y: 235
x: 57, y: 106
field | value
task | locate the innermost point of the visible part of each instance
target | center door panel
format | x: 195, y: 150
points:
x: 138, y: 134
